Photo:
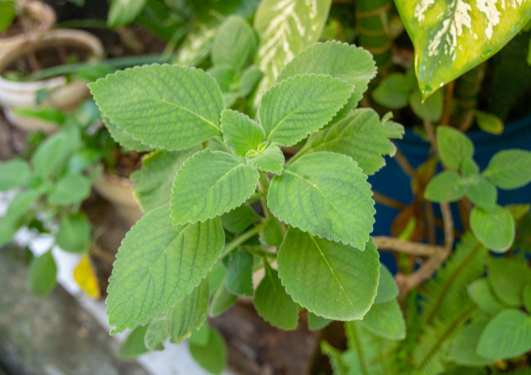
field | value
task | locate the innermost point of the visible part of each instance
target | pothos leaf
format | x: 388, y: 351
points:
x: 452, y: 37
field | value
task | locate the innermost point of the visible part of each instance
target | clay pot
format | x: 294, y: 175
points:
x: 63, y: 95
x: 119, y: 191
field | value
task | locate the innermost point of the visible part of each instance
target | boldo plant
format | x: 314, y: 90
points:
x: 282, y: 197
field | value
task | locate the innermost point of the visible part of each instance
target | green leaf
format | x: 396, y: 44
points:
x: 248, y: 80
x: 494, y: 228
x: 269, y: 160
x: 200, y: 336
x: 385, y: 320
x: 239, y: 278
x: 43, y: 274
x: 452, y: 37
x: 339, y: 365
x: 123, y: 12
x: 387, y: 289
x: 158, y: 264
x: 271, y: 232
x: 331, y: 280
x: 43, y: 113
x: 241, y: 133
x: 316, y: 322
x: 360, y: 135
x: 125, y: 139
x: 507, y: 335
x: 51, y: 156
x: 527, y: 297
x: 221, y: 301
x: 429, y: 109
x: 14, y: 173
x: 394, y: 90
x: 325, y: 194
x: 17, y: 210
x: 239, y: 219
x: 454, y: 147
x: 234, y: 44
x: 445, y: 187
x: 273, y: 304
x: 74, y: 233
x: 157, y: 332
x: 134, y: 345
x: 481, y: 192
x: 210, y: 184
x: 71, y: 189
x: 152, y: 183
x: 300, y: 105
x: 212, y: 356
x: 284, y: 32
x: 489, y: 123
x: 162, y: 106
x: 480, y: 292
x: 509, y: 169
x: 463, y: 347
x: 7, y: 14
x: 508, y: 278
x: 348, y: 63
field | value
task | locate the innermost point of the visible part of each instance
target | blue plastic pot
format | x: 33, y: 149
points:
x: 393, y: 182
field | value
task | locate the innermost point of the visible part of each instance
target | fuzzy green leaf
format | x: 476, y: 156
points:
x: 152, y: 183
x: 74, y: 233
x: 239, y: 278
x: 481, y: 192
x: 300, y: 105
x: 452, y: 37
x: 158, y: 264
x: 507, y: 335
x: 213, y: 355
x: 348, y: 63
x: 210, y: 184
x: 43, y: 274
x: 387, y: 289
x: 445, y: 187
x: 234, y: 44
x: 508, y: 278
x: 241, y: 133
x: 394, y: 90
x: 329, y: 279
x: 134, y: 345
x: 509, y: 169
x: 14, y: 173
x: 71, y: 189
x: 222, y: 300
x: 494, y: 228
x: 480, y: 292
x: 385, y: 320
x: 454, y: 147
x: 360, y: 135
x: 162, y: 106
x: 270, y: 160
x: 325, y: 194
x: 239, y: 219
x: 285, y: 30
x: 273, y: 304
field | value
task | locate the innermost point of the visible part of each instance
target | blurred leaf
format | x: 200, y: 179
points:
x: 43, y: 274
x: 385, y: 320
x: 316, y: 322
x: 71, y: 189
x: 430, y: 109
x: 463, y: 347
x: 14, y: 173
x: 445, y: 187
x: 509, y: 169
x: 213, y: 355
x: 74, y: 233
x: 489, y: 123
x: 134, y: 345
x: 123, y: 12
x: 394, y: 91
x: 239, y: 277
x: 508, y: 277
x: 454, y: 147
x: 481, y: 293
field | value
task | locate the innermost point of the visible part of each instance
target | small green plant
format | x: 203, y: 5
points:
x: 221, y: 202
x: 50, y: 189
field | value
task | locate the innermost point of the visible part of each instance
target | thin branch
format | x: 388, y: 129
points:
x: 388, y: 201
x: 406, y: 247
x: 404, y: 164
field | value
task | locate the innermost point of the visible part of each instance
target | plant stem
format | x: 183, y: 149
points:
x: 241, y: 239
x: 387, y: 201
x: 406, y: 247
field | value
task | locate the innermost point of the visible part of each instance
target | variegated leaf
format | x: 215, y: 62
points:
x: 453, y: 36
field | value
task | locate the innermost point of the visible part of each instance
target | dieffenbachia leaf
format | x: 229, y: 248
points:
x: 509, y: 169
x: 507, y: 335
x: 360, y: 135
x: 300, y: 105
x: 234, y: 44
x: 270, y: 159
x: 351, y: 64
x: 273, y: 304
x: 240, y: 132
x: 158, y: 264
x: 445, y: 187
x: 454, y: 147
x: 326, y: 194
x: 332, y: 280
x: 14, y: 173
x: 385, y: 320
x: 494, y: 227
x: 152, y: 183
x: 286, y: 28
x: 209, y: 184
x: 74, y: 233
x: 162, y: 106
x: 43, y: 274
x: 452, y: 37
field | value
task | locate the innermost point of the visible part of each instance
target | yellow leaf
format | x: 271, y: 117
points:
x: 85, y: 277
